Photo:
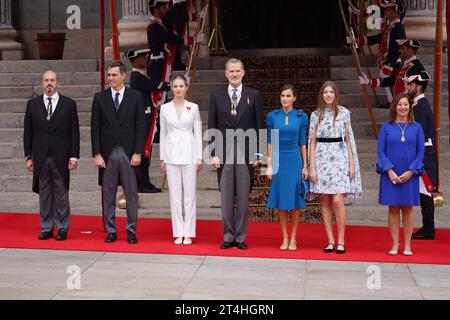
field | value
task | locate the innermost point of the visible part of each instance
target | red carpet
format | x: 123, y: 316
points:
x: 86, y: 234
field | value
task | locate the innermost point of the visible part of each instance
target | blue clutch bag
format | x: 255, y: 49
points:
x: 304, y: 187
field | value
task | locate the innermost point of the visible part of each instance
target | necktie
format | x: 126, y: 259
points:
x: 116, y: 100
x: 234, y: 96
x: 49, y: 109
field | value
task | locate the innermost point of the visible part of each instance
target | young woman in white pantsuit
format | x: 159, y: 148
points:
x: 180, y: 149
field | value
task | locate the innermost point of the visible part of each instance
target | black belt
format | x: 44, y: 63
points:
x: 330, y: 139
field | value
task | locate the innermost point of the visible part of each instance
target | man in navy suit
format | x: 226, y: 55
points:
x: 118, y: 138
x: 235, y: 111
x: 51, y: 141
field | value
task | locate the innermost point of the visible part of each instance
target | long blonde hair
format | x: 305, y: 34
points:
x: 321, y: 102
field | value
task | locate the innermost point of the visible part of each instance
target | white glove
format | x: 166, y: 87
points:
x: 350, y: 40
x: 353, y: 9
x: 363, y: 80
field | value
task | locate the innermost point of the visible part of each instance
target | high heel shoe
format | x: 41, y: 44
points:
x: 178, y: 240
x: 292, y: 245
x: 329, y: 248
x: 340, y: 251
x: 284, y: 246
x: 407, y: 253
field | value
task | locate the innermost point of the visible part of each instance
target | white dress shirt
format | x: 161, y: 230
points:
x: 238, y: 92
x: 113, y: 92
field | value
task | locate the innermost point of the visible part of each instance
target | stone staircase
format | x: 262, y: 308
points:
x: 80, y: 79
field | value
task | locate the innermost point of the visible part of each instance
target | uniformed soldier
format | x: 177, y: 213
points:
x: 392, y: 29
x: 409, y: 66
x: 158, y: 38
x: 176, y: 22
x: 417, y: 84
x: 140, y: 81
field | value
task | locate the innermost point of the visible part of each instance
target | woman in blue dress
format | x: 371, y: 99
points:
x: 401, y: 148
x: 287, y: 165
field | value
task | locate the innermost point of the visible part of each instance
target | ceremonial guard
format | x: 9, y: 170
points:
x: 417, y: 84
x: 391, y: 29
x: 140, y: 81
x: 176, y: 23
x: 409, y: 66
x: 162, y: 45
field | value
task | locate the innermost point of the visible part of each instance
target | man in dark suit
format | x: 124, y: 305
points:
x: 51, y: 141
x: 236, y: 114
x: 140, y: 81
x: 118, y: 138
x: 417, y: 84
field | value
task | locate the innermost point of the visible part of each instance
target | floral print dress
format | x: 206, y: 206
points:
x: 331, y: 158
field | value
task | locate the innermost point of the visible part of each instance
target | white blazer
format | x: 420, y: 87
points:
x: 180, y: 139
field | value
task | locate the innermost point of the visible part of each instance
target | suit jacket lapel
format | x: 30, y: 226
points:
x: 110, y: 107
x: 56, y: 116
x: 243, y: 104
x: 225, y: 102
x: 124, y: 106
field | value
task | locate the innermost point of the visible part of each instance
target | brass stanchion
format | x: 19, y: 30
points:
x: 216, y: 44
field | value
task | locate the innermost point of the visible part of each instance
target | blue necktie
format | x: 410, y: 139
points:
x: 116, y: 101
x: 234, y: 96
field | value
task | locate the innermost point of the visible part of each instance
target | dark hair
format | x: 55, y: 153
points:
x: 422, y: 84
x: 156, y: 6
x: 289, y: 86
x: 119, y: 64
x: 181, y: 77
x: 392, y: 115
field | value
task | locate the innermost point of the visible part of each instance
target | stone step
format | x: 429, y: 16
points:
x: 18, y: 105
x: 65, y: 78
x: 347, y: 60
x: 155, y: 201
x: 348, y: 73
x: 377, y: 215
x: 381, y: 115
x: 40, y: 66
x: 353, y: 86
x: 27, y: 92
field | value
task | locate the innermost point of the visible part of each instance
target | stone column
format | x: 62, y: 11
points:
x: 132, y: 26
x: 10, y: 49
x: 420, y: 20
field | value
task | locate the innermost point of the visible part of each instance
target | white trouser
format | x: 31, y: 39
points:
x: 182, y: 178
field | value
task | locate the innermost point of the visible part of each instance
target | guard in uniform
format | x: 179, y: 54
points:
x: 140, y: 81
x: 176, y: 23
x: 158, y: 38
x: 409, y: 66
x: 392, y: 29
x: 417, y: 84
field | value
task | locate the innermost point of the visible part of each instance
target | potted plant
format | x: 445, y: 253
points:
x: 50, y: 45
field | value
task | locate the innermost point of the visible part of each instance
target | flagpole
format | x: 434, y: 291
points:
x: 115, y: 34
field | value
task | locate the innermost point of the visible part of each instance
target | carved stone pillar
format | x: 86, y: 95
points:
x: 10, y: 49
x: 420, y: 21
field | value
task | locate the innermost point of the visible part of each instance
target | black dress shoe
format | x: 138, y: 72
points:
x: 241, y: 245
x: 151, y: 190
x: 339, y: 250
x: 111, y: 237
x: 45, y: 235
x: 131, y: 238
x: 62, y: 235
x: 422, y: 234
x: 227, y: 245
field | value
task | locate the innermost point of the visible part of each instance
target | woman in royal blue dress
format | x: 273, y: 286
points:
x: 401, y: 149
x: 287, y: 165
